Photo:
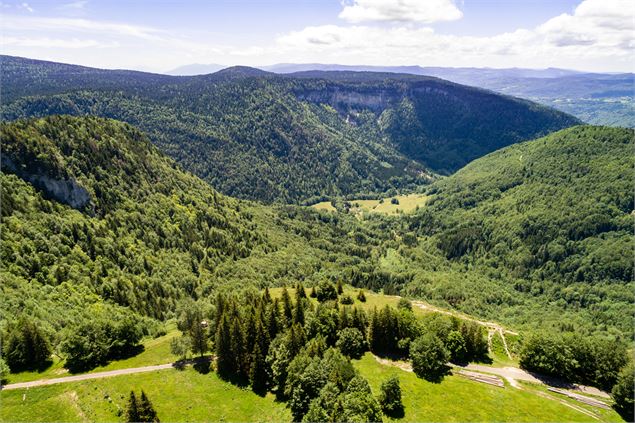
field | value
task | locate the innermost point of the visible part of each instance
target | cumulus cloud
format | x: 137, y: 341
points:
x: 596, y: 30
x: 422, y: 11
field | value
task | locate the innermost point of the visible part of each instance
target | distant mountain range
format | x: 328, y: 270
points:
x: 289, y: 138
x: 597, y: 98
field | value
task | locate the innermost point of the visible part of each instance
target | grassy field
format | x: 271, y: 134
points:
x: 177, y: 396
x: 498, y: 354
x: 406, y: 204
x: 457, y: 399
x: 156, y: 351
x: 190, y: 396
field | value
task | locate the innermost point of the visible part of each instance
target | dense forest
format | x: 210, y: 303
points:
x: 96, y: 223
x: 290, y: 139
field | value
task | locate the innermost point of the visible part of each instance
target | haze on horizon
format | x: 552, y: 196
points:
x: 160, y: 35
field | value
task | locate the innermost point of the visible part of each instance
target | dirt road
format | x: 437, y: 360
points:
x: 88, y: 376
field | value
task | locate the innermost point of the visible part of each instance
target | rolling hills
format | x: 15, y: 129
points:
x: 275, y: 138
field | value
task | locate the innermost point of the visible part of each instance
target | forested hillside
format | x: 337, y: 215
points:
x: 96, y: 223
x: 551, y: 218
x: 276, y: 138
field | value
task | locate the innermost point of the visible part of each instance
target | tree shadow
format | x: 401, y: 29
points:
x: 552, y: 381
x: 437, y: 377
x: 127, y: 352
x: 397, y: 413
x: 202, y: 366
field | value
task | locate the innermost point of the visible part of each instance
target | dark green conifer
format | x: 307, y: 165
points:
x: 287, y: 308
x: 224, y: 357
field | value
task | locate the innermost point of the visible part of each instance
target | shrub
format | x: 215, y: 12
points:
x: 404, y: 304
x: 361, y: 296
x: 351, y: 342
x: 429, y: 358
x: 390, y: 397
x: 346, y: 300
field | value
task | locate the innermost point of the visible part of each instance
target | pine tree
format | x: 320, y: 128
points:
x: 273, y: 317
x: 266, y: 296
x: 373, y: 332
x: 240, y: 360
x: 224, y: 358
x: 146, y: 411
x: 299, y: 291
x: 132, y: 412
x: 298, y: 316
x: 287, y: 309
x: 258, y: 371
x: 297, y: 339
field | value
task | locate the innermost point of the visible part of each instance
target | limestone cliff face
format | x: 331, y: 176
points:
x: 66, y: 191
x: 346, y: 100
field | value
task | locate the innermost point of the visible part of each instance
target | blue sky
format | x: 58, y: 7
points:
x: 159, y: 35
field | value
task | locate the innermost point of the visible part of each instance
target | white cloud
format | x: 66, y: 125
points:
x: 26, y: 7
x: 29, y: 23
x: 79, y: 4
x: 422, y: 11
x: 45, y: 42
x: 600, y: 33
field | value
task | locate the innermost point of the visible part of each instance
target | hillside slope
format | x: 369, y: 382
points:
x: 551, y: 219
x: 95, y: 220
x: 276, y: 138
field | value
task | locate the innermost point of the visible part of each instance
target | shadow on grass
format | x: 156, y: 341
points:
x: 397, y: 413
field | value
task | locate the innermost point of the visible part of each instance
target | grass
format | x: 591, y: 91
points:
x: 406, y: 204
x: 498, y: 354
x: 324, y: 205
x: 156, y: 351
x: 457, y: 399
x: 177, y: 396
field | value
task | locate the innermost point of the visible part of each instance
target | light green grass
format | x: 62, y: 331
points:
x: 457, y: 399
x: 407, y: 203
x: 156, y: 351
x: 324, y: 205
x: 177, y: 396
x: 498, y: 354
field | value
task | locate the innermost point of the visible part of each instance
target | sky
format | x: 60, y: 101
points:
x: 160, y: 35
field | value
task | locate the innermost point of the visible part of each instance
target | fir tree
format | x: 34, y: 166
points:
x: 266, y: 296
x: 298, y: 315
x: 240, y: 360
x: 287, y: 309
x: 258, y: 371
x: 273, y: 317
x: 224, y: 358
x: 299, y: 291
